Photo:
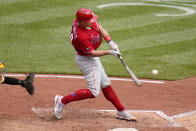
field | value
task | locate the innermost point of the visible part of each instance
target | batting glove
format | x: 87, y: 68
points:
x: 114, y: 53
x: 112, y: 45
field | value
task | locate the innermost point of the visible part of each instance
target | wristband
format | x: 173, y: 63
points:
x: 107, y: 38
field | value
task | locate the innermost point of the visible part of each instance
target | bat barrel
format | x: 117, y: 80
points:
x: 133, y: 76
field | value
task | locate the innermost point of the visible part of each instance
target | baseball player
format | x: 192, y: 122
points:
x: 86, y: 37
x: 27, y: 83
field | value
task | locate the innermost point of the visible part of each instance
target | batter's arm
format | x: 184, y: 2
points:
x: 97, y: 53
x: 106, y: 36
x: 103, y: 31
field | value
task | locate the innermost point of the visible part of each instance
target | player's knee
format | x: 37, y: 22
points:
x: 96, y: 93
x: 105, y: 86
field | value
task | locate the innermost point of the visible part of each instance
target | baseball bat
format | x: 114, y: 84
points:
x: 133, y: 76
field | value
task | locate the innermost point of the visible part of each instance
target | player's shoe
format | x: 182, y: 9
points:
x: 58, y: 108
x: 124, y: 115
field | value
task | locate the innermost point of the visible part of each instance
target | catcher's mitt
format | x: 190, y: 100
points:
x: 28, y: 84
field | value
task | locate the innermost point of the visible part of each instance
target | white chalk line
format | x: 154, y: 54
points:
x: 183, y: 114
x: 171, y: 0
x: 170, y: 119
x: 81, y: 77
x: 188, y: 11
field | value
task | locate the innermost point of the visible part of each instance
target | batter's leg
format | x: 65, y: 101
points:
x: 60, y: 101
x: 111, y: 96
x: 108, y: 92
x: 90, y: 68
x: 78, y: 95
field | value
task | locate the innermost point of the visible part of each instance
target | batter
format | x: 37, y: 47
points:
x: 86, y: 37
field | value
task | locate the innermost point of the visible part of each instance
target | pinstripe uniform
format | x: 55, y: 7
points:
x: 85, y: 40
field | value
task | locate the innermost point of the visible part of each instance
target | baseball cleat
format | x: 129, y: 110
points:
x: 58, y: 108
x: 124, y: 115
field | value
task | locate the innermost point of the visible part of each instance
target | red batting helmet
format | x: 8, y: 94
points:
x: 85, y: 14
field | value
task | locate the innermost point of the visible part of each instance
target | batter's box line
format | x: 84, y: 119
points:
x: 183, y: 114
x: 160, y: 113
x: 170, y: 119
x: 81, y: 77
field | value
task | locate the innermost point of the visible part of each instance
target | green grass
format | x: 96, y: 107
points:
x: 34, y: 36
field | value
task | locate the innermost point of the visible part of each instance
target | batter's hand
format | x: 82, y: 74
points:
x: 114, y: 53
x: 112, y: 45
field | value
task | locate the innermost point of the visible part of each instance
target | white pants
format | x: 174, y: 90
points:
x: 93, y: 72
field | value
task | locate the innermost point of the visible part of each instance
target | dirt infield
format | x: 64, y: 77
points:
x: 159, y: 107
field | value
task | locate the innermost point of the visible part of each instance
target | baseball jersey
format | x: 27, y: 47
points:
x: 85, y: 40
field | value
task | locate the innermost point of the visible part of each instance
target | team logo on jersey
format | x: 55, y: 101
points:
x: 95, y: 39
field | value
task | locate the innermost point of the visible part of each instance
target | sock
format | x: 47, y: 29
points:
x: 78, y: 95
x: 111, y: 96
x: 13, y: 81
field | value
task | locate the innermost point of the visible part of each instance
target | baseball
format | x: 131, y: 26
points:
x: 155, y: 72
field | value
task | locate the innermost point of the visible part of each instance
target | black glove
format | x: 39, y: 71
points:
x: 28, y: 83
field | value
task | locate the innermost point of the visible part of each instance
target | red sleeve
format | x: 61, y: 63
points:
x: 86, y: 46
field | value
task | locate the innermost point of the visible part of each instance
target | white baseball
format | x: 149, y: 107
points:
x: 155, y: 72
